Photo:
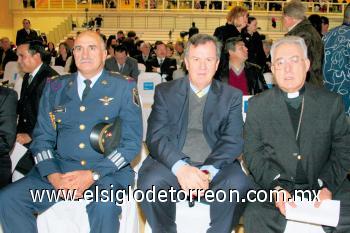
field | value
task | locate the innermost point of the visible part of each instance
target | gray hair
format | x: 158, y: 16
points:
x: 296, y: 40
x: 294, y: 9
x: 202, y: 39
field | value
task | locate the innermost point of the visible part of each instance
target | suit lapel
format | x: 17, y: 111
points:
x: 180, y: 102
x: 310, y: 114
x: 38, y: 78
x: 279, y: 112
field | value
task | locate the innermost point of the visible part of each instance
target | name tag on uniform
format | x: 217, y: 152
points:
x: 59, y: 109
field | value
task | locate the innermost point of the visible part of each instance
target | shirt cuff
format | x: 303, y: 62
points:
x: 177, y: 166
x: 211, y: 169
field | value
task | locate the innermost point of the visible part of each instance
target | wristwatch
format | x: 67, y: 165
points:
x: 95, y: 176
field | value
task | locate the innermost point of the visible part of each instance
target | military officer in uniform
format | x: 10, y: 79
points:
x: 70, y: 107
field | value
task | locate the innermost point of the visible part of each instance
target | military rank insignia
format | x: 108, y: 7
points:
x: 106, y: 100
x: 136, y: 98
x: 52, y: 119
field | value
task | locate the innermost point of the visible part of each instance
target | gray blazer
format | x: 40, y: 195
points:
x: 130, y: 67
x: 222, y: 123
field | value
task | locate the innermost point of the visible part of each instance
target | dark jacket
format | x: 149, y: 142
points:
x: 8, y: 123
x: 315, y: 51
x: 10, y: 55
x: 28, y: 104
x: 226, y: 31
x: 270, y: 144
x: 255, y: 78
x: 22, y: 36
x: 168, y: 66
x: 254, y: 45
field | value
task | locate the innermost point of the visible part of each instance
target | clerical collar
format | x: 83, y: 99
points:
x: 293, y: 95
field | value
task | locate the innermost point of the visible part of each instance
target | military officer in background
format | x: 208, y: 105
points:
x: 70, y: 107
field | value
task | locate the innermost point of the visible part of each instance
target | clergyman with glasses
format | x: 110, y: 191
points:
x: 296, y: 137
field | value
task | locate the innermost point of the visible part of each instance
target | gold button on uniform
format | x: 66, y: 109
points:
x: 83, y: 163
x: 299, y: 157
x: 81, y: 145
x: 81, y: 127
x: 82, y: 108
x: 59, y: 120
x: 106, y: 118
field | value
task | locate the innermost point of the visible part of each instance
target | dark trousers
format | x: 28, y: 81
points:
x: 18, y: 211
x: 161, y: 215
x: 265, y: 217
x: 5, y: 171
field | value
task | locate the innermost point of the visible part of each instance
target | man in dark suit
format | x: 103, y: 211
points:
x: 30, y: 55
x: 160, y: 63
x: 195, y: 128
x: 193, y: 30
x: 6, y: 55
x: 145, y: 55
x: 122, y: 63
x: 294, y: 19
x: 8, y: 123
x: 239, y: 73
x: 26, y: 34
x: 296, y: 138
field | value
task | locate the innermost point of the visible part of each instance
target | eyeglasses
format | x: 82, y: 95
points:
x: 281, y: 63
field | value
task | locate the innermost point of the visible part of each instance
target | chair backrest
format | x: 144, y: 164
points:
x: 245, y: 99
x: 179, y: 73
x: 269, y: 79
x: 12, y: 72
x: 146, y: 83
x: 59, y: 69
x: 141, y: 67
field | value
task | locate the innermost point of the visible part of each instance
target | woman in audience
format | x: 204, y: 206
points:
x: 51, y: 49
x: 253, y: 42
x: 63, y: 55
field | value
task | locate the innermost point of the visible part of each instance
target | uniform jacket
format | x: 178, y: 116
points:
x: 222, y: 123
x: 314, y: 45
x: 61, y: 137
x: 22, y: 36
x: 28, y: 104
x: 130, y: 67
x: 270, y: 148
x: 168, y: 66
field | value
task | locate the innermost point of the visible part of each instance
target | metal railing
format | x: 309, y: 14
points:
x: 174, y: 5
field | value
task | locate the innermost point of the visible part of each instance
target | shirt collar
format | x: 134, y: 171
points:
x: 93, y: 80
x: 204, y: 90
x: 36, y: 70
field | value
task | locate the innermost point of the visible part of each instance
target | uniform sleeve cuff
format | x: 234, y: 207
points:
x: 118, y: 160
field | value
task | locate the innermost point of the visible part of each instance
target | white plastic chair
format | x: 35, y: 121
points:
x: 146, y: 84
x: 12, y: 72
x: 141, y: 67
x: 245, y: 99
x: 189, y: 220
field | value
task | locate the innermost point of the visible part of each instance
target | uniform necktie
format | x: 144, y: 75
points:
x: 87, y: 88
